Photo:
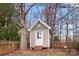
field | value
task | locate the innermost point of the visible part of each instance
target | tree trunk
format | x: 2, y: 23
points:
x: 23, y: 25
x: 23, y: 43
x: 53, y: 23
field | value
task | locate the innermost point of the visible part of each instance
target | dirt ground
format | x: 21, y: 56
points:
x: 44, y: 52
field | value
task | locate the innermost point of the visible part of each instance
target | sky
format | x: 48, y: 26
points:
x: 34, y: 11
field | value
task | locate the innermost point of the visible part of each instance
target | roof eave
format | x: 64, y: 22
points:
x: 36, y: 23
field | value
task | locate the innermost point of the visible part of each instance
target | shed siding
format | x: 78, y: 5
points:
x: 45, y: 37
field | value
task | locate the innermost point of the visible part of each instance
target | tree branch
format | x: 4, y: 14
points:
x: 30, y: 8
x: 39, y: 13
x: 18, y: 24
x: 68, y: 13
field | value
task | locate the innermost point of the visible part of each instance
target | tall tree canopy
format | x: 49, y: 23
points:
x: 8, y: 30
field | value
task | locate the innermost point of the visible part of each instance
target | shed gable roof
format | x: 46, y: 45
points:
x: 37, y: 23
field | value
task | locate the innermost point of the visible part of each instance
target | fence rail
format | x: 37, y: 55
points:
x: 62, y: 44
x: 7, y: 47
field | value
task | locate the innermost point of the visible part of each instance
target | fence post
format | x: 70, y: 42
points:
x: 12, y: 47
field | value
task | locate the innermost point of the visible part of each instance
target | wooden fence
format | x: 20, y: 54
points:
x: 62, y: 44
x: 8, y: 47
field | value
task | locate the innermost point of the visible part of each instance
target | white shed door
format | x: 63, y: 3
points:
x: 39, y: 39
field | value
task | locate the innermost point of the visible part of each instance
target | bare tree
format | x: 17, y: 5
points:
x: 22, y: 23
x: 50, y: 13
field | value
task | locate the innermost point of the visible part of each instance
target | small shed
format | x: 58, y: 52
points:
x: 39, y: 35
